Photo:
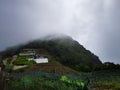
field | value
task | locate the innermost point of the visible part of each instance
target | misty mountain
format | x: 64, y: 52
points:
x: 63, y: 49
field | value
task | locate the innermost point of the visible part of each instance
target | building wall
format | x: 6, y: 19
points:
x: 41, y: 60
x: 24, y: 54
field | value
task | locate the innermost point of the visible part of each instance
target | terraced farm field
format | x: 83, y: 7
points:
x: 106, y: 80
x: 36, y: 80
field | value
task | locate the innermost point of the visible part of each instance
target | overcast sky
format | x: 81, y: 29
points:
x: 93, y: 23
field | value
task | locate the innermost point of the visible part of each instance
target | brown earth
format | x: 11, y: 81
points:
x: 52, y: 67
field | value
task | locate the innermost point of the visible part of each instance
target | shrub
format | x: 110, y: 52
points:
x: 9, y: 68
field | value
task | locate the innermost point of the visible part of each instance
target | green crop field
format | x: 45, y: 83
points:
x: 105, y: 81
x: 36, y: 80
x: 43, y: 81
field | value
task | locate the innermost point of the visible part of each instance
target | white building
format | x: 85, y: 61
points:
x: 39, y: 60
x: 36, y: 57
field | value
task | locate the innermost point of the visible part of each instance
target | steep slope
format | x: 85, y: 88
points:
x: 52, y: 67
x: 63, y: 49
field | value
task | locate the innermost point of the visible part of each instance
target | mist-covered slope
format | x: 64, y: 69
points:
x: 63, y: 49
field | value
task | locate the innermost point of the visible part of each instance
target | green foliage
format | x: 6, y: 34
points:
x: 117, y: 86
x: 65, y: 50
x: 9, y: 60
x: 44, y: 81
x: 65, y: 79
x: 14, y: 85
x: 106, y: 80
x: 9, y: 68
x: 108, y: 66
x: 26, y: 81
x: 77, y: 83
x: 22, y: 60
x: 39, y: 84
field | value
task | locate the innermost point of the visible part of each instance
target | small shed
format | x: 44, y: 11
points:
x: 41, y: 60
x: 25, y: 52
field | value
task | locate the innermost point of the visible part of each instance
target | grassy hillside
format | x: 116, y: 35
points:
x: 64, y: 50
x: 21, y: 63
x: 52, y: 67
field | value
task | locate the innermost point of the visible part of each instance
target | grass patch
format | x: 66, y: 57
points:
x: 106, y: 83
x: 42, y: 82
x: 23, y: 60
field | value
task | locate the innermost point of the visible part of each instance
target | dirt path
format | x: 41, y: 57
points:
x: 5, y: 62
x: 14, y: 58
x: 18, y: 67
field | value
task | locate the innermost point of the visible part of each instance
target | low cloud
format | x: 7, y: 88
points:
x: 94, y: 23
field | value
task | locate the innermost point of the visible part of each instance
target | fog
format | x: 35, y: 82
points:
x: 93, y: 23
